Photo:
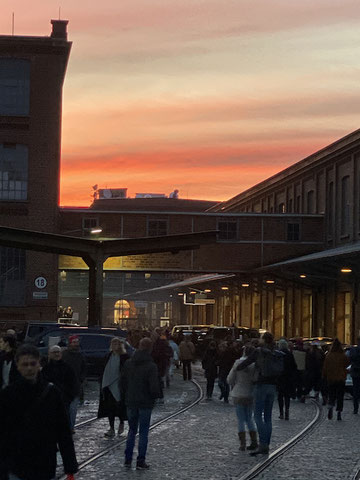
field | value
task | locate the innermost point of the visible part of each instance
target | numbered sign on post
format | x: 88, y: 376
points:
x: 40, y: 282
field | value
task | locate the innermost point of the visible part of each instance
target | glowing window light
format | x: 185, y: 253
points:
x: 346, y: 270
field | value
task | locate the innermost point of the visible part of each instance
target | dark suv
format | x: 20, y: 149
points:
x: 94, y: 346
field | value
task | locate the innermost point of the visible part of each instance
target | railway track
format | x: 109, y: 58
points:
x: 252, y: 473
x: 116, y: 444
x: 283, y: 449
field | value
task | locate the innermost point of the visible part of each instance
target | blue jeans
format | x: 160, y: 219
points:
x: 137, y: 418
x: 264, y: 399
x: 73, y: 411
x: 244, y: 415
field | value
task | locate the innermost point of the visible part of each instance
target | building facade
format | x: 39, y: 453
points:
x: 32, y: 71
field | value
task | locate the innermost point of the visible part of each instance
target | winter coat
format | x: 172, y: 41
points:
x: 107, y: 404
x: 226, y: 361
x: 335, y: 365
x: 300, y: 359
x: 287, y: 381
x: 161, y: 354
x: 76, y: 360
x: 314, y: 362
x: 354, y: 357
x: 32, y: 426
x: 13, y: 374
x: 140, y: 385
x: 210, y: 363
x: 242, y: 383
x: 187, y: 350
x: 63, y: 376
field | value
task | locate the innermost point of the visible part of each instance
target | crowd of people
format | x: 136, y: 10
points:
x: 39, y: 397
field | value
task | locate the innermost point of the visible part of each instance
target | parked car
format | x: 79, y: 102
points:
x: 64, y: 330
x: 220, y: 334
x: 94, y: 346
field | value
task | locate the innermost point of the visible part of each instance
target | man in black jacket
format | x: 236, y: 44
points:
x: 8, y: 370
x: 33, y: 423
x: 140, y: 388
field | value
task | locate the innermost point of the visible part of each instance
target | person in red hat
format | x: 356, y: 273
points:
x: 75, y: 359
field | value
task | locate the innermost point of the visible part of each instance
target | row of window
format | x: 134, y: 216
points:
x: 228, y: 230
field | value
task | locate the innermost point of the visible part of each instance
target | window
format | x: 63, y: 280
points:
x: 90, y: 222
x: 12, y: 276
x: 345, y: 205
x: 13, y: 172
x: 14, y: 86
x: 310, y: 201
x: 281, y: 208
x: 157, y: 228
x: 293, y: 232
x: 330, y: 208
x: 227, y: 230
x: 290, y: 205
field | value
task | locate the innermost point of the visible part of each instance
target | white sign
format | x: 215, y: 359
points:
x: 40, y: 282
x: 40, y: 295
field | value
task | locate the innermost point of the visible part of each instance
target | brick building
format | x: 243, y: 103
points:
x: 32, y: 71
x: 276, y: 263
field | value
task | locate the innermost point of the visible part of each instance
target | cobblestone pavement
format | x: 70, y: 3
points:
x: 330, y: 452
x: 200, y: 443
x: 90, y: 439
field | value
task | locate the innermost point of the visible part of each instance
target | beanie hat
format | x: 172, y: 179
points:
x: 73, y: 338
x: 283, y: 344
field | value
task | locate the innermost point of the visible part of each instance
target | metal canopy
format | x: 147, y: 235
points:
x: 95, y: 251
x: 319, y: 267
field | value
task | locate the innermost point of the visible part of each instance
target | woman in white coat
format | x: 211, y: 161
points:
x: 242, y: 395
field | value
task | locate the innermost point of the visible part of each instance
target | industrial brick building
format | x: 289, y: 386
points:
x: 280, y: 248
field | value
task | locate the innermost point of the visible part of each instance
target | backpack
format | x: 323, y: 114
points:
x: 270, y: 363
x: 355, y: 361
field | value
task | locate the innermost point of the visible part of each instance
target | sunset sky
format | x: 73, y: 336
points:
x: 207, y: 96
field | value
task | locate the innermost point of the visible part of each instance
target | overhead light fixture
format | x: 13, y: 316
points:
x: 224, y: 288
x: 270, y: 281
x: 302, y: 276
x: 93, y: 231
x: 180, y: 294
x: 207, y: 290
x: 192, y: 293
x: 245, y: 285
x: 346, y: 270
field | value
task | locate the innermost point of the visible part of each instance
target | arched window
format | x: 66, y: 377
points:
x: 345, y: 205
x: 310, y: 201
x: 121, y: 311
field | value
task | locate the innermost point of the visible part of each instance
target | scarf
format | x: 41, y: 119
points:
x: 111, y: 376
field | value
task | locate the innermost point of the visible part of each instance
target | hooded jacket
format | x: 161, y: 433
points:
x: 139, y: 381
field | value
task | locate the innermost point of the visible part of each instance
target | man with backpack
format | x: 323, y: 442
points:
x: 269, y: 365
x: 34, y: 424
x: 354, y: 357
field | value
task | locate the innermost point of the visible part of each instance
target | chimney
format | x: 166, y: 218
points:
x: 59, y: 29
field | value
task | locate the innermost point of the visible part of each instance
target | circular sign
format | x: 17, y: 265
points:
x: 40, y: 282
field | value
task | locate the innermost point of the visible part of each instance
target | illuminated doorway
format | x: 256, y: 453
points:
x: 121, y: 311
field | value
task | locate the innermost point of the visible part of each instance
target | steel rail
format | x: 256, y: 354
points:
x: 116, y: 444
x: 280, y: 451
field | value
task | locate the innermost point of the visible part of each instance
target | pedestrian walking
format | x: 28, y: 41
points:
x: 314, y: 362
x: 300, y: 359
x: 8, y: 370
x: 269, y: 365
x: 210, y: 365
x: 354, y: 358
x: 242, y: 395
x: 73, y: 357
x: 187, y: 354
x: 226, y: 361
x: 162, y: 354
x: 111, y: 402
x: 334, y: 372
x: 60, y: 374
x: 175, y: 359
x: 34, y: 424
x: 286, y: 384
x: 140, y: 389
